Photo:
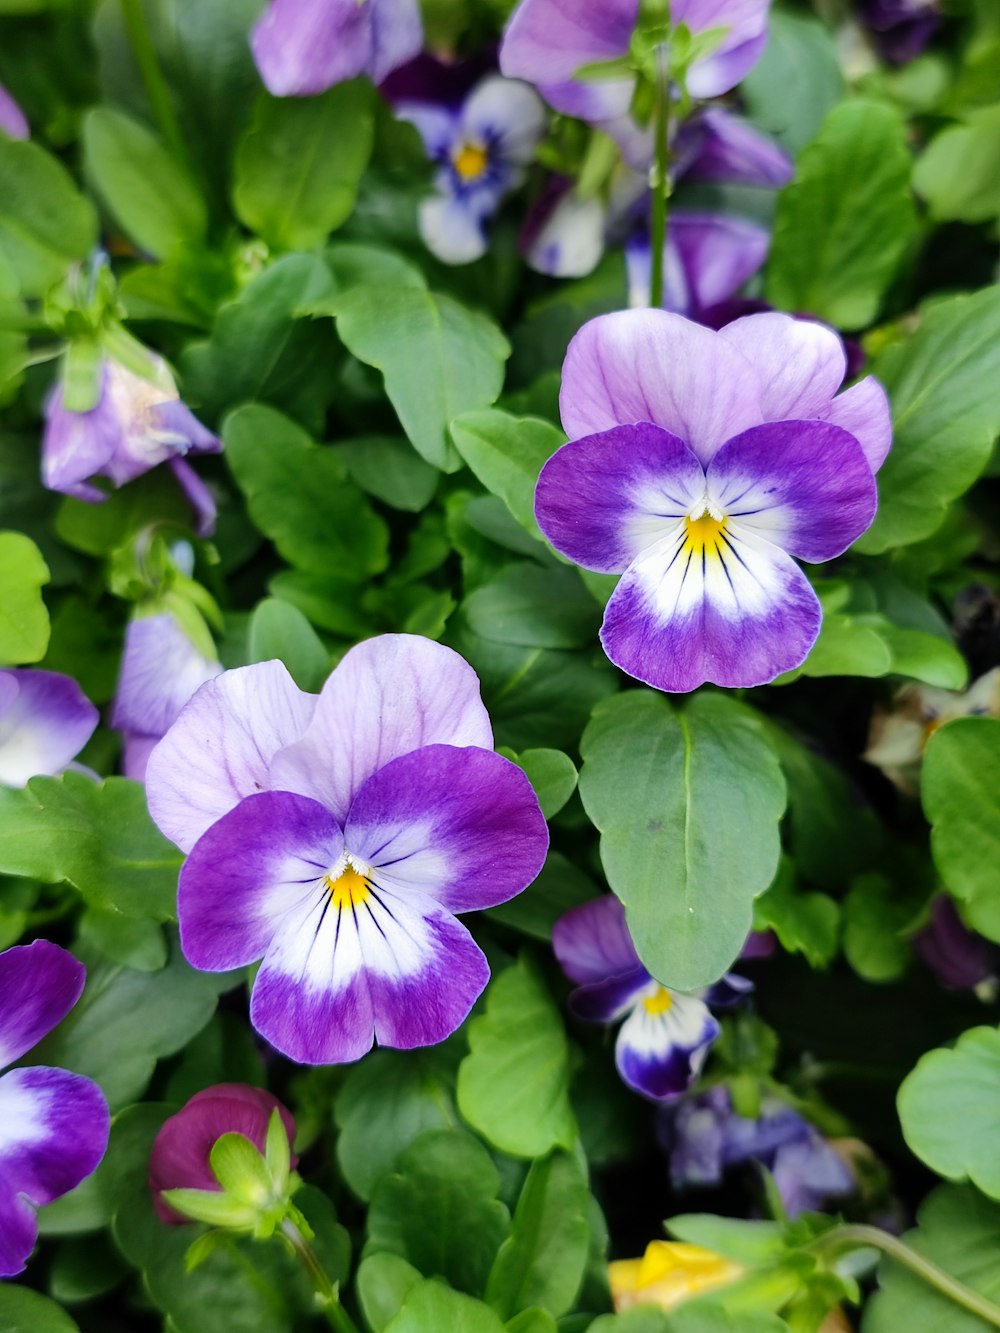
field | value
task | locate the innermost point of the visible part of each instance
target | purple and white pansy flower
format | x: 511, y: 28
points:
x: 666, y: 1034
x: 482, y: 147
x: 699, y: 464
x: 45, y: 721
x: 53, y: 1124
x: 337, y: 836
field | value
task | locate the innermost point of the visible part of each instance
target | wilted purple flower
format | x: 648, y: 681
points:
x: 901, y: 28
x: 53, y: 1124
x: 12, y: 118
x: 698, y: 464
x: 303, y: 47
x: 45, y: 721
x: 482, y: 146
x: 337, y: 836
x: 958, y: 957
x: 182, y: 1148
x: 666, y: 1035
x: 135, y: 425
x: 161, y: 669
x: 705, y: 1136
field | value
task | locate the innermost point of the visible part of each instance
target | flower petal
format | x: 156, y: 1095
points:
x: 302, y: 48
x: 175, y: 419
x: 738, y: 617
x: 804, y: 485
x: 863, y: 411
x: 718, y: 254
x: 386, y: 697
x: 397, y: 35
x: 39, y: 983
x: 660, y: 1051
x: 604, y: 499
x: 12, y: 118
x: 506, y: 115
x: 45, y: 721
x: 719, y: 146
x: 650, y: 365
x: 197, y: 494
x: 606, y: 1001
x: 800, y: 364
x: 78, y: 445
x: 246, y: 872
x: 452, y: 228
x: 563, y: 234
x: 436, y: 125
x: 461, y: 826
x: 221, y: 746
x: 161, y: 669
x: 592, y: 942
x: 745, y: 24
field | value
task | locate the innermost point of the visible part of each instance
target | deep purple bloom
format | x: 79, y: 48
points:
x: 12, y: 118
x: 182, y: 1148
x: 53, y: 1124
x: 135, y: 425
x: 666, y: 1035
x: 901, y: 28
x: 958, y: 957
x: 45, y: 721
x: 698, y: 464
x: 705, y: 1136
x: 161, y: 669
x: 481, y: 146
x: 336, y: 837
x: 303, y: 47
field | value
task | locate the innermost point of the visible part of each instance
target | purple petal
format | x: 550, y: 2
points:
x: 717, y: 254
x: 461, y: 826
x: 387, y: 696
x: 220, y: 748
x: 800, y: 365
x: 738, y: 617
x: 136, y: 750
x: 563, y: 234
x: 745, y: 22
x: 863, y: 410
x: 660, y: 1051
x: 436, y: 125
x: 253, y: 867
x: 726, y: 67
x: 606, y: 1001
x: 696, y: 1139
x: 507, y: 115
x: 45, y: 721
x: 79, y: 445
x: 161, y: 669
x: 397, y: 35
x: 176, y: 419
x: 804, y: 485
x: 957, y: 956
x: 604, y: 499
x: 53, y: 1133
x: 729, y: 991
x: 197, y: 494
x: 808, y: 1173
x: 39, y: 983
x: 592, y: 942
x: 12, y: 119
x: 649, y: 365
x: 718, y: 146
x: 303, y: 47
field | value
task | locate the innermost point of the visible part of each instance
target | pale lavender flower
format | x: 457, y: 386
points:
x: 336, y: 837
x: 45, y: 721
x: 53, y: 1124
x: 666, y: 1034
x: 12, y: 118
x: 699, y: 464
x: 303, y: 47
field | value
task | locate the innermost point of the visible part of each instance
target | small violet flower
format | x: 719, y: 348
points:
x: 666, y: 1035
x: 303, y: 47
x: 136, y: 424
x: 901, y: 29
x: 958, y: 957
x: 53, y: 1124
x: 45, y: 721
x: 336, y: 837
x: 161, y: 669
x: 482, y: 146
x: 12, y: 118
x: 699, y: 464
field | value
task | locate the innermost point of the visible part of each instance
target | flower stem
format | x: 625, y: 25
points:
x: 336, y: 1316
x: 152, y: 78
x: 857, y: 1236
x: 659, y: 182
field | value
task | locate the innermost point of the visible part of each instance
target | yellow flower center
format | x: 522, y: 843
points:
x: 658, y: 1003
x: 349, y: 889
x: 703, y: 535
x: 470, y: 161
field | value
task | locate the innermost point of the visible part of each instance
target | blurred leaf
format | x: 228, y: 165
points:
x: 559, y: 887
x: 959, y: 172
x: 390, y: 470
x: 24, y: 620
x: 134, y: 942
x: 797, y: 80
x: 46, y: 225
x: 876, y: 917
x: 507, y: 453
x: 534, y: 607
x: 431, y: 1307
x: 278, y: 629
x: 25, y: 1311
x: 383, y: 1283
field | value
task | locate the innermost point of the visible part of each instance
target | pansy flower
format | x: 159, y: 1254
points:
x: 53, y: 1124
x: 666, y: 1034
x: 959, y: 958
x: 699, y: 464
x: 481, y: 146
x: 12, y: 119
x: 45, y: 721
x: 337, y: 837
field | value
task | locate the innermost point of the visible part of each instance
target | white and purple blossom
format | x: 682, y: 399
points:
x: 13, y: 122
x: 136, y: 424
x: 337, y: 836
x: 45, y: 721
x: 303, y: 47
x: 699, y: 464
x: 481, y: 146
x: 666, y: 1034
x: 53, y: 1124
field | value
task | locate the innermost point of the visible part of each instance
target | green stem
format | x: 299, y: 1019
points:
x: 660, y: 183
x: 336, y: 1316
x: 857, y: 1236
x: 152, y: 77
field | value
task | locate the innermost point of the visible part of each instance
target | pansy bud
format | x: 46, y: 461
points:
x: 668, y: 1274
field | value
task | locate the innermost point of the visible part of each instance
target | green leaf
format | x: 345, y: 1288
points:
x: 960, y: 788
x: 46, y: 225
x: 534, y: 607
x: 439, y: 1209
x: 151, y: 196
x: 945, y: 412
x: 278, y: 629
x: 134, y: 942
x: 386, y: 1102
x: 559, y: 887
x: 438, y: 358
x: 390, y: 470
x: 543, y: 1260
x: 805, y: 923
x: 553, y: 776
x: 431, y: 1307
x: 876, y: 917
x: 25, y: 1311
x: 749, y: 1243
x: 300, y: 162
x: 383, y: 1283
x: 687, y: 842
x: 299, y: 494
x: 844, y: 224
x: 797, y: 80
x: 959, y: 172
x: 97, y: 835
x: 513, y: 1085
x: 24, y: 620
x: 846, y: 646
x: 507, y: 453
